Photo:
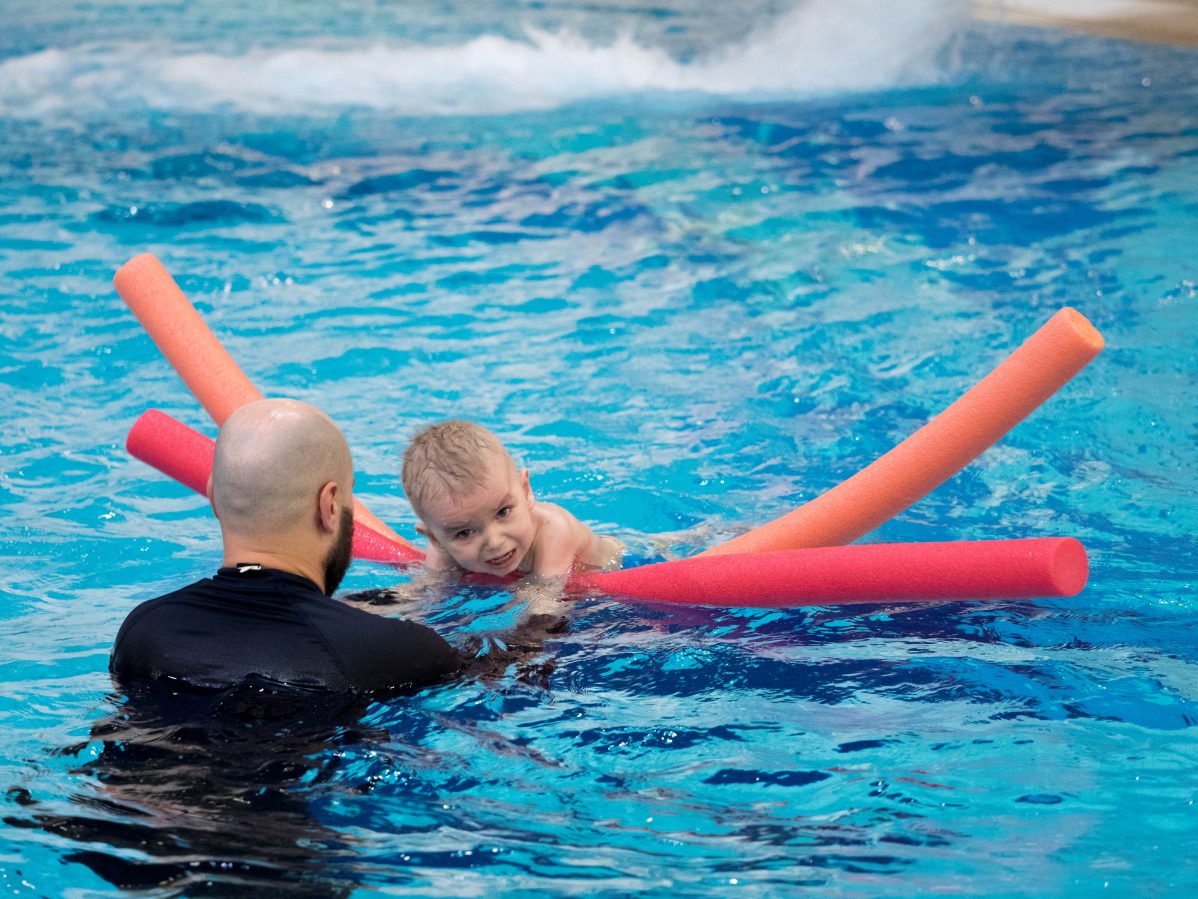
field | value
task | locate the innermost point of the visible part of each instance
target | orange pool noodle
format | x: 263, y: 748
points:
x: 193, y: 350
x: 186, y: 455
x: 187, y: 343
x: 938, y: 450
x: 865, y: 573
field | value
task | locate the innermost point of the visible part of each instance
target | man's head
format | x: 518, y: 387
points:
x: 282, y: 487
x: 471, y: 499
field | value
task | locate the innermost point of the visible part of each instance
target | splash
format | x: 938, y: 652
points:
x: 818, y: 46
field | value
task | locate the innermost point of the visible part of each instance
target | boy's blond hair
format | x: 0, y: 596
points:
x: 448, y: 459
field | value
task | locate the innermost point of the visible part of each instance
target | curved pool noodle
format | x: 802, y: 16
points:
x: 186, y: 455
x: 194, y: 351
x: 938, y: 450
x: 864, y: 573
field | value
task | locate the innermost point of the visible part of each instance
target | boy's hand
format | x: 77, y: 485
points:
x: 542, y: 596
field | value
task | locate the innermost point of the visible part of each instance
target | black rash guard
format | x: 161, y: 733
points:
x: 249, y: 623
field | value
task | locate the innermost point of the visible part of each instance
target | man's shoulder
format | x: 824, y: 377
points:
x: 147, y: 627
x: 157, y: 603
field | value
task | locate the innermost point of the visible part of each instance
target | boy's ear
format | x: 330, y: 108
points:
x: 423, y: 531
x: 527, y: 484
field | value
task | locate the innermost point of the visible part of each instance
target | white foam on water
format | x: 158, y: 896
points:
x: 819, y: 46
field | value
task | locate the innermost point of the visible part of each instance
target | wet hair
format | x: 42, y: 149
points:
x: 451, y: 458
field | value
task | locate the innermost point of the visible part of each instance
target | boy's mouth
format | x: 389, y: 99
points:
x: 504, y: 560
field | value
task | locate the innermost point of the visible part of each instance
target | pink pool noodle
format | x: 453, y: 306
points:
x: 868, y: 573
x: 993, y: 569
x: 938, y: 450
x: 186, y: 455
x: 194, y: 351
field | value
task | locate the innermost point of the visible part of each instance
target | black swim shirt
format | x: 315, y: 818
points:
x: 256, y: 623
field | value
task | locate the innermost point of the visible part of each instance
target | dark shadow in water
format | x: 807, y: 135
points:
x: 206, y: 791
x: 217, y: 792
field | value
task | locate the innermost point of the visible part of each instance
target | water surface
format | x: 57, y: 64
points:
x: 696, y: 268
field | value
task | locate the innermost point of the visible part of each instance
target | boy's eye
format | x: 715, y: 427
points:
x: 504, y: 512
x: 462, y: 534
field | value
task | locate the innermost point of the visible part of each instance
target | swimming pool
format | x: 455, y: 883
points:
x: 693, y: 286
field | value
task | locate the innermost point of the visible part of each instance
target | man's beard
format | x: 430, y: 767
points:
x: 336, y: 563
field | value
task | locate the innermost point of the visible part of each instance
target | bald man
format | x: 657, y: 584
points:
x: 282, y: 488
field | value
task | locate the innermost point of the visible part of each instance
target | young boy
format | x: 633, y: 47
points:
x: 478, y: 512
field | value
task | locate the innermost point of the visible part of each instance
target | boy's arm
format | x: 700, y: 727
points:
x: 555, y: 549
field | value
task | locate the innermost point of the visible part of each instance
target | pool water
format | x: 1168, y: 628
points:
x: 696, y: 268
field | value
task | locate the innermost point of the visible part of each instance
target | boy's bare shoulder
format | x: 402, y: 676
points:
x: 553, y: 516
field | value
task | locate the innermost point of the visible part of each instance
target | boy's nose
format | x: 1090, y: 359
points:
x: 492, y: 537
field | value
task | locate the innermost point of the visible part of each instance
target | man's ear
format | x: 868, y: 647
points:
x: 328, y: 507
x: 208, y: 493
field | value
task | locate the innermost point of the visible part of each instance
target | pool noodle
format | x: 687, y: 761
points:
x: 992, y: 569
x: 184, y: 339
x: 910, y: 471
x: 186, y: 455
x: 864, y: 573
x: 194, y: 351
x: 938, y: 450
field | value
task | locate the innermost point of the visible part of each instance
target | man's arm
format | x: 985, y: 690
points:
x: 398, y: 653
x: 411, y: 598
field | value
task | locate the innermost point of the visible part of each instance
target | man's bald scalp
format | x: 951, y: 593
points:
x: 272, y: 458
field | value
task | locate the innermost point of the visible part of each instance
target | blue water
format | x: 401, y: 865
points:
x: 696, y: 266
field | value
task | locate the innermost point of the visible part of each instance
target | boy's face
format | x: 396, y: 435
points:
x: 492, y: 529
